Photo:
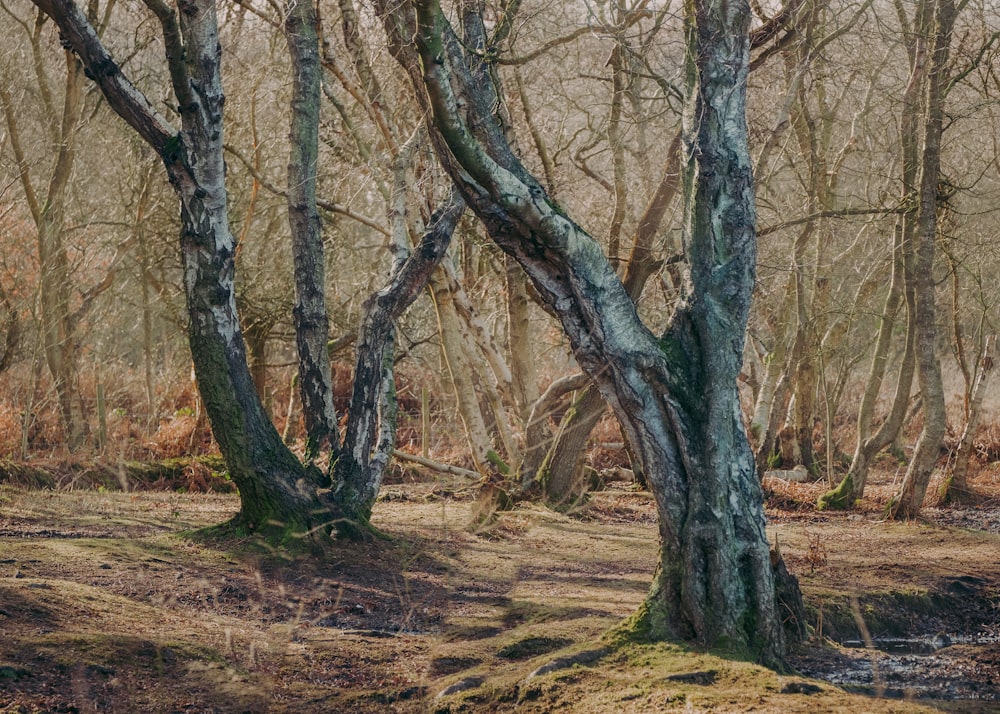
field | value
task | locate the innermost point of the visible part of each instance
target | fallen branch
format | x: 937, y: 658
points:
x: 436, y: 465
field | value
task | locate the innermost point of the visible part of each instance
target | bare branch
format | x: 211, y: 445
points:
x: 436, y: 465
x: 128, y: 102
x: 838, y: 213
x: 325, y: 205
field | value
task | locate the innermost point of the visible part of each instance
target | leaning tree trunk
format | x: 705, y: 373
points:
x: 371, y: 424
x: 676, y: 396
x: 275, y: 498
x: 562, y: 470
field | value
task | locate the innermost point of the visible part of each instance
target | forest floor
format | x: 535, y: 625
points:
x: 113, y: 602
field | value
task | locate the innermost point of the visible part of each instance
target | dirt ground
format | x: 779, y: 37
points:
x: 111, y: 602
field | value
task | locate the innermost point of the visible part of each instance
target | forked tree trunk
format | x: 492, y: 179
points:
x: 273, y: 492
x: 675, y: 396
x: 275, y: 498
x: 852, y: 486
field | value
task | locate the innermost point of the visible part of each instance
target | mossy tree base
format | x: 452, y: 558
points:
x: 841, y: 498
x: 951, y: 494
x: 285, y: 538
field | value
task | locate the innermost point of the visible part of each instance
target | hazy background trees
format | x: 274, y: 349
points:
x: 593, y: 101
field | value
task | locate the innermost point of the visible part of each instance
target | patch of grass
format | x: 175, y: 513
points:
x: 892, y: 614
x: 443, y: 666
x: 532, y: 647
x: 522, y: 611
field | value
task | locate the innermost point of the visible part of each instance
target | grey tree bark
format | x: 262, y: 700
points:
x: 371, y: 426
x: 561, y: 470
x: 940, y: 20
x: 311, y: 322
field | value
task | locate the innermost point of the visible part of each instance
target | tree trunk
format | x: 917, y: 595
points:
x: 524, y: 375
x: 562, y: 473
x: 256, y: 333
x: 564, y: 459
x: 311, y: 323
x: 911, y: 495
x: 371, y: 425
x: 852, y: 487
x: 273, y: 493
x: 676, y: 396
x: 275, y: 497
x: 48, y: 213
x: 453, y: 347
x: 902, y: 286
x: 956, y: 488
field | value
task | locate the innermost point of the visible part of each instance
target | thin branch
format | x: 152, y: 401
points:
x: 632, y: 19
x: 546, y: 403
x: 325, y: 205
x: 106, y: 282
x: 124, y: 97
x: 838, y: 213
x: 13, y: 133
x: 175, y: 51
x: 974, y: 64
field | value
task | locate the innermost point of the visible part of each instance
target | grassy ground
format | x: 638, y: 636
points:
x: 111, y: 602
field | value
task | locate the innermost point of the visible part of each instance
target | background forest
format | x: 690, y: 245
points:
x: 526, y: 236
x: 862, y: 290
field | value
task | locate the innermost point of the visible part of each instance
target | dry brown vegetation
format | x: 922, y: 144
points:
x: 116, y: 601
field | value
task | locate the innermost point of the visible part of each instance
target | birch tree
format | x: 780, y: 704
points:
x: 674, y: 394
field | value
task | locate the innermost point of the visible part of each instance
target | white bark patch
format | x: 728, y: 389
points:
x: 225, y: 324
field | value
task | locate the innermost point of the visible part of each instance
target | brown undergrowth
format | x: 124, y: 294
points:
x: 113, y: 602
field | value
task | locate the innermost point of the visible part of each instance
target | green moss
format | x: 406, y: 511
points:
x: 501, y: 465
x: 840, y: 498
x: 171, y: 148
x: 290, y: 539
x: 889, y: 614
x: 643, y: 626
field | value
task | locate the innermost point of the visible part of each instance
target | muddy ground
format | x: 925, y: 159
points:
x: 113, y: 602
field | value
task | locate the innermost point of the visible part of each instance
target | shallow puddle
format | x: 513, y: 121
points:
x: 955, y: 668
